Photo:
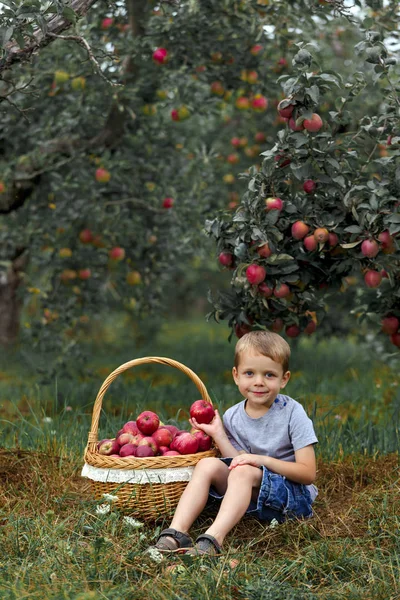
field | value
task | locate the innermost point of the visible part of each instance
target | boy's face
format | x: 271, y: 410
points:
x: 259, y: 379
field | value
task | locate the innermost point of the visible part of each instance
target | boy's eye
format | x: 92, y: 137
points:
x: 248, y: 372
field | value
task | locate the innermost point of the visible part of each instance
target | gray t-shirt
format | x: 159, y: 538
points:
x: 283, y: 429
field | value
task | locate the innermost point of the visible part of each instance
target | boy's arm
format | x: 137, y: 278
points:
x: 302, y: 471
x: 216, y: 430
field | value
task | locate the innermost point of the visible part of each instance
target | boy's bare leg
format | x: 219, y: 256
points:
x: 243, y: 481
x: 209, y: 471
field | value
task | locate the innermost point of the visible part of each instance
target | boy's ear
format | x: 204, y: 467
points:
x: 285, y: 379
x: 235, y: 375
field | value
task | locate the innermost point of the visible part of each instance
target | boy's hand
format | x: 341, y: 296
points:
x: 215, y: 429
x: 247, y: 459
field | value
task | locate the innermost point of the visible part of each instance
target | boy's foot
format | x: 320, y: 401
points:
x: 172, y: 540
x: 205, y: 545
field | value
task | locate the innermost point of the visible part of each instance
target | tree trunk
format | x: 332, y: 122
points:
x: 10, y: 303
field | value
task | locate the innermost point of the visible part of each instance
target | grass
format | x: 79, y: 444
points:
x: 55, y: 545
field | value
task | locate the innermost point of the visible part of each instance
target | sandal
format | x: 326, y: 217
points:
x: 205, y: 545
x: 171, y: 540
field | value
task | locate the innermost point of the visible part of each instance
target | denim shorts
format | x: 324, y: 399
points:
x: 279, y: 498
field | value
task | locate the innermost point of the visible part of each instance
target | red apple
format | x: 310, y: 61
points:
x: 147, y: 422
x: 84, y: 274
x: 264, y: 250
x: 282, y: 160
x: 395, y: 339
x: 86, y: 236
x: 370, y: 248
x: 282, y: 291
x: 174, y: 430
x: 333, y: 239
x: 386, y: 240
x: 130, y: 427
x: 310, y: 327
x: 241, y: 329
x: 255, y: 274
x: 175, y: 114
x: 259, y: 103
x: 149, y: 441
x: 217, y: 88
x: 162, y: 436
x: 125, y: 438
x: 226, y: 259
x: 310, y: 243
x: 160, y: 56
x: 172, y: 453
x: 260, y: 137
x: 163, y: 449
x: 168, y: 203
x: 204, y: 440
x: 390, y: 325
x: 202, y: 411
x: 313, y: 124
x: 309, y: 186
x: 300, y: 230
x: 292, y: 331
x: 273, y: 204
x: 106, y: 23
x: 102, y: 175
x: 117, y: 253
x: 265, y: 290
x: 185, y: 443
x: 108, y: 446
x: 293, y: 126
x: 321, y: 235
x: 144, y: 452
x: 256, y: 49
x: 233, y: 158
x: 242, y: 103
x: 128, y: 450
x: 372, y: 278
x: 235, y: 141
x: 277, y: 325
x: 285, y: 112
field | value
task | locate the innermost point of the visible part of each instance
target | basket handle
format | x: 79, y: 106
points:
x: 93, y: 433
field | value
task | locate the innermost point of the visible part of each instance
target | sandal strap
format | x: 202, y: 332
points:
x: 209, y: 541
x: 183, y: 540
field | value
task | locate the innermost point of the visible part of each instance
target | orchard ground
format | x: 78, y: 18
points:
x: 56, y: 545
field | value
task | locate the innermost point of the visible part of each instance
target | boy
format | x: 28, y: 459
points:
x: 269, y: 441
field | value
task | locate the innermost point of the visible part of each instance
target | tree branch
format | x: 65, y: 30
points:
x: 54, y: 26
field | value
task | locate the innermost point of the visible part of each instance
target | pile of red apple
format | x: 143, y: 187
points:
x: 147, y: 436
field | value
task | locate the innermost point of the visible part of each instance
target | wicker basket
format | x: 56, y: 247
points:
x: 146, y: 488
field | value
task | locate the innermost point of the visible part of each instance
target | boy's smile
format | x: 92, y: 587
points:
x: 259, y: 379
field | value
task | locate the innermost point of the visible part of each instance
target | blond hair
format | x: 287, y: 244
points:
x: 266, y: 343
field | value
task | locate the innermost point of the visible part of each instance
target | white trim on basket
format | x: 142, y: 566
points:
x: 141, y: 476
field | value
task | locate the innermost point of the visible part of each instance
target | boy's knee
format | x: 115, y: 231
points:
x: 246, y: 473
x: 209, y: 465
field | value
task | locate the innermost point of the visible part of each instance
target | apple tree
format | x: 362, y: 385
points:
x: 324, y: 204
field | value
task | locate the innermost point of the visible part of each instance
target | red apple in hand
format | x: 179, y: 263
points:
x: 147, y: 422
x: 185, y: 443
x: 107, y: 447
x: 202, y: 411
